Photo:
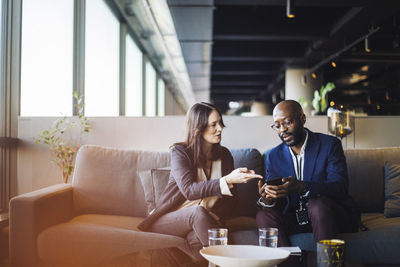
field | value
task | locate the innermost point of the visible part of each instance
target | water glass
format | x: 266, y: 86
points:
x: 217, y: 236
x: 268, y: 237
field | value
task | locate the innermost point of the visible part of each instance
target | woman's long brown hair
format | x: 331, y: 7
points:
x: 196, y: 123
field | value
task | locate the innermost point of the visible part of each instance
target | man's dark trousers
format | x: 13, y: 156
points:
x: 327, y: 219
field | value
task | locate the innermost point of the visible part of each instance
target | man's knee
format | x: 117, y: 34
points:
x: 267, y: 218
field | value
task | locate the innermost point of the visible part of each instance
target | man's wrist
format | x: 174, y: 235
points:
x: 261, y: 203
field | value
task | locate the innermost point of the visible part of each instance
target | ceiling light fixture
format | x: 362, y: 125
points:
x: 314, y: 75
x: 290, y: 9
x: 338, y: 53
x: 333, y: 63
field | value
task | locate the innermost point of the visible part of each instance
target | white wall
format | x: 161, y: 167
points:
x: 158, y: 133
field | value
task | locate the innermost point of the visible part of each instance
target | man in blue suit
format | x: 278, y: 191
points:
x: 309, y: 192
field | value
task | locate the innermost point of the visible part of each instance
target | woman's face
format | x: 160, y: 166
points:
x: 212, y: 134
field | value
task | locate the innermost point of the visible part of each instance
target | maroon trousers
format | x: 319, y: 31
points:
x: 328, y: 218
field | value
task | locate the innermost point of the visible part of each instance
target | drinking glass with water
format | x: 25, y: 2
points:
x: 268, y: 237
x: 217, y: 236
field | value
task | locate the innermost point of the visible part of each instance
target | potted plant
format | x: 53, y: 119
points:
x: 320, y: 101
x: 59, y: 138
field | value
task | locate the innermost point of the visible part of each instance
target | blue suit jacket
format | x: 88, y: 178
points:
x: 325, y: 169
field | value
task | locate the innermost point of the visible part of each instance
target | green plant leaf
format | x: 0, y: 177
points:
x: 324, y: 95
x: 315, y: 101
x: 64, y: 150
x: 75, y: 94
x: 303, y: 102
x: 327, y: 88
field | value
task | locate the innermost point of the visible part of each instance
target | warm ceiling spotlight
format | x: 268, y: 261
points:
x: 333, y: 63
x: 314, y: 75
x: 366, y: 44
x: 332, y: 103
x: 290, y: 9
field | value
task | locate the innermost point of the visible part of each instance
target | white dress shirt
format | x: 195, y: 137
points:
x: 298, y: 160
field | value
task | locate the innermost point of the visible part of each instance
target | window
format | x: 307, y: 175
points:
x: 150, y: 90
x: 46, y: 57
x: 101, y: 60
x: 134, y: 81
x: 161, y: 98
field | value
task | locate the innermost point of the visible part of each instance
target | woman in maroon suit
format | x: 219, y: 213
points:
x: 200, y: 190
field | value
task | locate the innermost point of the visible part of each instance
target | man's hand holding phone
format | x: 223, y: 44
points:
x: 263, y: 190
x: 275, y: 188
x: 282, y: 187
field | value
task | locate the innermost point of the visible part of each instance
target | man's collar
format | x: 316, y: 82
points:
x: 303, y: 148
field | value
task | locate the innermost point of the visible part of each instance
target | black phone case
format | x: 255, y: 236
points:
x: 275, y: 181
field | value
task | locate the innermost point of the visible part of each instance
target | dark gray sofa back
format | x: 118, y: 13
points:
x: 366, y: 181
x: 247, y: 194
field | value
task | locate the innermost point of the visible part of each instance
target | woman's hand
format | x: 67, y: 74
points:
x: 241, y: 175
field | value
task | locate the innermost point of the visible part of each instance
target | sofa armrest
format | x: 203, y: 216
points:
x: 31, y: 213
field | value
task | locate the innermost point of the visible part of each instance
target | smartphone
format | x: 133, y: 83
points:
x: 274, y: 181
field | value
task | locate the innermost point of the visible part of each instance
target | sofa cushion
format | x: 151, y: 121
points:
x: 366, y: 183
x: 105, y: 180
x: 241, y: 223
x: 244, y: 237
x: 154, y: 182
x: 376, y: 223
x: 375, y: 247
x: 379, y: 221
x: 392, y: 189
x: 96, y: 239
x: 247, y: 194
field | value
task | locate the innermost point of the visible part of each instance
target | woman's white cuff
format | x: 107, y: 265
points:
x: 224, y: 187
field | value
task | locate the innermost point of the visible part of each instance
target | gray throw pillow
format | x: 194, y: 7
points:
x: 392, y: 189
x: 154, y: 182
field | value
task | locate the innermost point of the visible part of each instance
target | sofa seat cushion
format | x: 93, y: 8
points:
x: 96, y: 239
x: 241, y: 223
x: 375, y: 247
x: 378, y: 221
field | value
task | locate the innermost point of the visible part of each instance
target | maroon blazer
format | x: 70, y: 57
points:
x: 182, y: 186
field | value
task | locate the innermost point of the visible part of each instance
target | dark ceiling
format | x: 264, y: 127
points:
x: 254, y: 43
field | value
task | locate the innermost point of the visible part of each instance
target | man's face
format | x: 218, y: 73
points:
x: 290, y: 127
